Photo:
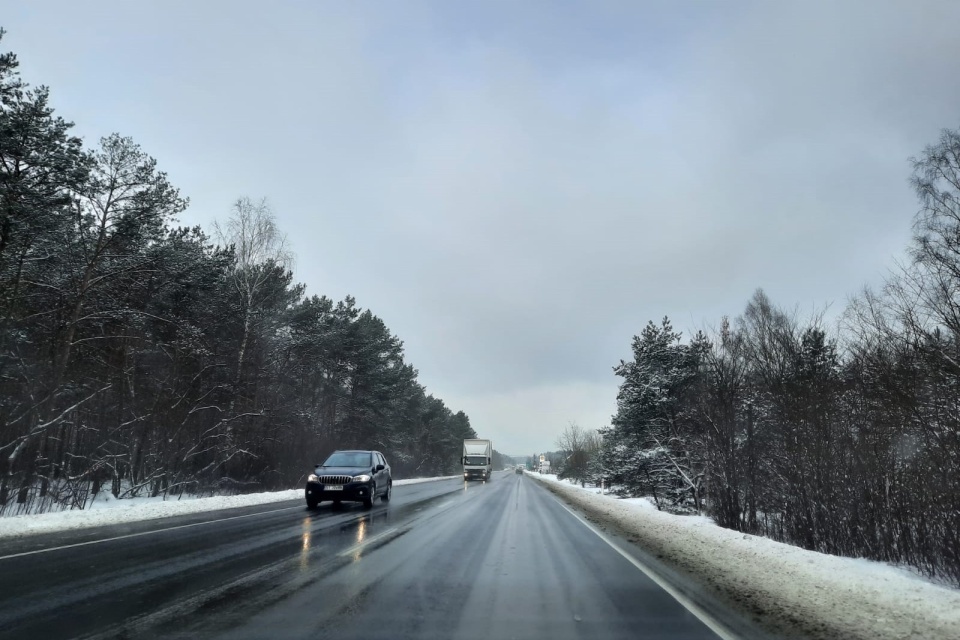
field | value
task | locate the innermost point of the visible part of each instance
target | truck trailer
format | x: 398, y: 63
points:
x: 477, y: 459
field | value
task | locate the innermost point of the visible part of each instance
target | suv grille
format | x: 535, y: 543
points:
x: 335, y: 479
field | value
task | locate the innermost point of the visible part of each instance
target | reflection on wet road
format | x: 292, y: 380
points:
x: 305, y: 549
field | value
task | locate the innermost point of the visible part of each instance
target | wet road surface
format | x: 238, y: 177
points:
x: 446, y: 559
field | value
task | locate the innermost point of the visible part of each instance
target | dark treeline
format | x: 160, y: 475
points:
x: 842, y: 441
x: 144, y: 359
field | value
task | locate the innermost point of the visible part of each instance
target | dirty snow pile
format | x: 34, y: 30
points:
x: 789, y: 590
x: 107, y: 510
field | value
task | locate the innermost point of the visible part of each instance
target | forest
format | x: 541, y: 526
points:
x: 144, y: 358
x: 839, y: 437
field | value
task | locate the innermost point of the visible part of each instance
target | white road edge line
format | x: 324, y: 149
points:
x: 688, y: 604
x: 143, y: 533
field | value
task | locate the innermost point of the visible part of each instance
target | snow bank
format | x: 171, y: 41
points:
x: 788, y: 590
x: 113, y: 511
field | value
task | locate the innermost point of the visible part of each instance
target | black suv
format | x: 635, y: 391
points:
x: 350, y: 476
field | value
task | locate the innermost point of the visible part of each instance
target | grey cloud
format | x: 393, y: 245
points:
x: 778, y: 160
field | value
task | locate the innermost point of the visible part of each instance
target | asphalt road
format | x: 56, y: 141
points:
x: 502, y: 559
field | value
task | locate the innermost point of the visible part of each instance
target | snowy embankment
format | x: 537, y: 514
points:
x: 112, y: 511
x: 788, y: 590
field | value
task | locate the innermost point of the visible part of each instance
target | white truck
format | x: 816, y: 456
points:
x: 477, y: 459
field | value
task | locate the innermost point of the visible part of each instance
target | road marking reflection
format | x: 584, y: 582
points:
x: 356, y: 551
x: 305, y: 547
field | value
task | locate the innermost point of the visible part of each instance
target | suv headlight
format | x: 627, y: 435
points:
x: 362, y: 478
x: 313, y: 478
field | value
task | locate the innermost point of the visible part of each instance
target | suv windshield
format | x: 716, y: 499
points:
x: 342, y: 459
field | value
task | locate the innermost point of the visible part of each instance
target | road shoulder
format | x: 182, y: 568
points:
x: 785, y: 594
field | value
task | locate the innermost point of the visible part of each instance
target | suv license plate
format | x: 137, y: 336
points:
x: 334, y: 487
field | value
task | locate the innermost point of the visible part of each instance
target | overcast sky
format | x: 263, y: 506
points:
x: 517, y: 187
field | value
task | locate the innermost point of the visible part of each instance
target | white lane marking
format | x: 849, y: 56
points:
x: 688, y: 604
x: 143, y: 533
x: 360, y: 545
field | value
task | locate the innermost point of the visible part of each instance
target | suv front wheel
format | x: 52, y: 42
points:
x: 368, y: 501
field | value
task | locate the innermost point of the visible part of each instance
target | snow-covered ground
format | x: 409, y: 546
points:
x: 107, y: 510
x: 797, y: 592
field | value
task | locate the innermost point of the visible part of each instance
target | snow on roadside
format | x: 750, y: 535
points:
x: 797, y: 592
x: 108, y: 512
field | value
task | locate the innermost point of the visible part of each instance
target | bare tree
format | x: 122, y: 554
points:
x: 580, y: 446
x: 257, y: 243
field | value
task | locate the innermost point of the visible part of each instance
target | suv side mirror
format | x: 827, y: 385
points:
x: 380, y: 467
